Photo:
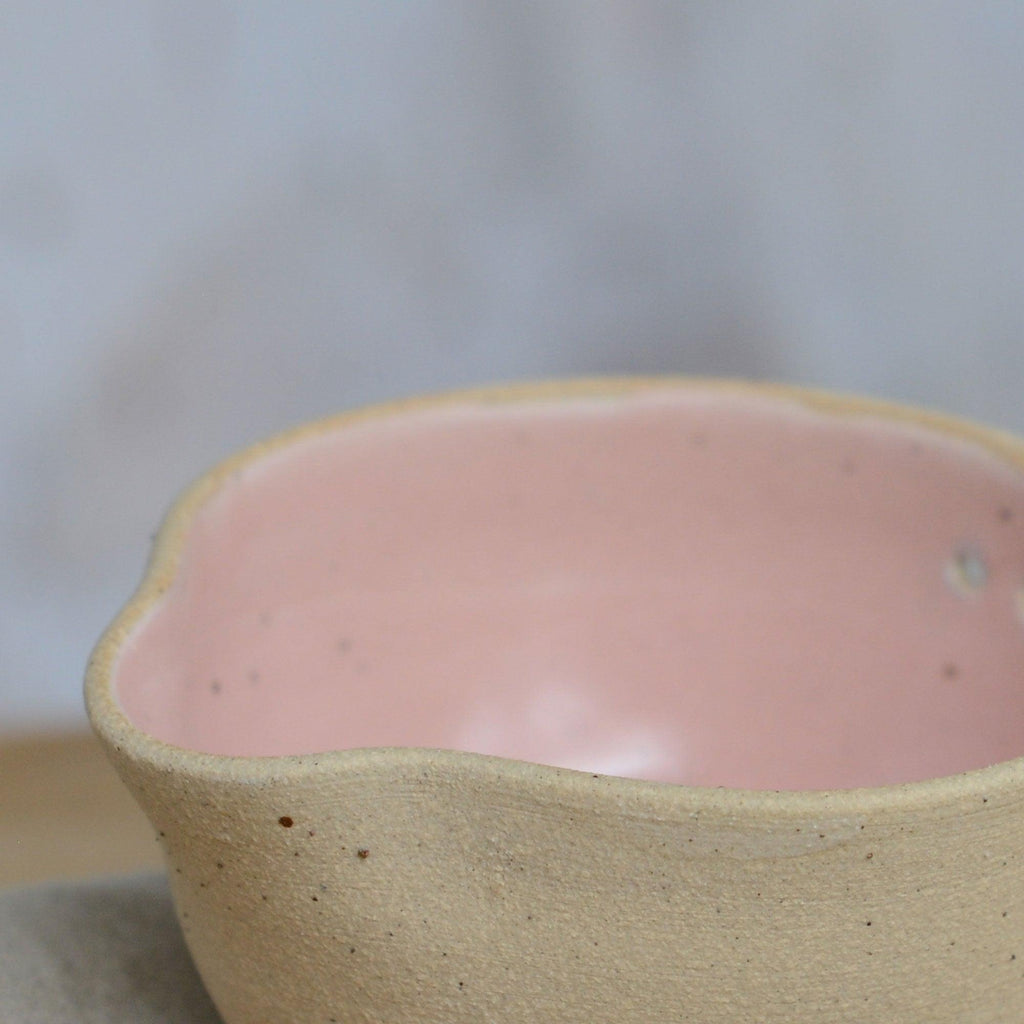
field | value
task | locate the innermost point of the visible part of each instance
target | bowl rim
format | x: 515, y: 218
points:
x: 124, y: 740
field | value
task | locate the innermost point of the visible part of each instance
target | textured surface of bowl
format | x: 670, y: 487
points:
x: 384, y: 681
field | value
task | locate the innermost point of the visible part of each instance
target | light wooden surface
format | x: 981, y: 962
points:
x: 65, y: 814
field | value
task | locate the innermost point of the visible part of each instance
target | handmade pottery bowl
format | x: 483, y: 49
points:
x: 605, y: 701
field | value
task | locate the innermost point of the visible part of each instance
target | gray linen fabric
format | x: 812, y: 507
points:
x: 102, y: 952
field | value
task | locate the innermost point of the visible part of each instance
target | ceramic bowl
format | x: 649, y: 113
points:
x: 602, y: 701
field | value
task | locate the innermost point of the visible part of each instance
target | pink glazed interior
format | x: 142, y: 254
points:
x: 686, y: 585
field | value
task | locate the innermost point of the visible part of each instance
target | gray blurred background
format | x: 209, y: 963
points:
x: 220, y: 219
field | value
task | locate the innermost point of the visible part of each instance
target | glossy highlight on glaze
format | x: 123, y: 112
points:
x: 703, y: 587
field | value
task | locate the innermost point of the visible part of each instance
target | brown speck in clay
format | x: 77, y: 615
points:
x: 1005, y: 514
x: 951, y: 670
x: 215, y: 686
x: 285, y: 822
x: 362, y: 854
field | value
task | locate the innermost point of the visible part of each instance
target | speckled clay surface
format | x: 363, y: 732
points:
x: 795, y: 619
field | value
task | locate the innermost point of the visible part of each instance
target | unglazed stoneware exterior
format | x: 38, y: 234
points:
x: 603, y: 701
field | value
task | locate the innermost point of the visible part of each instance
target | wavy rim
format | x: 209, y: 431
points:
x: 116, y: 730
